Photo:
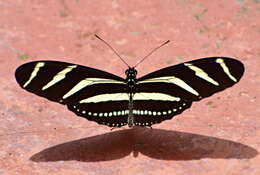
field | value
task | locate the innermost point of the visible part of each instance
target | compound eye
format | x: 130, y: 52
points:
x: 126, y: 72
x: 135, y: 72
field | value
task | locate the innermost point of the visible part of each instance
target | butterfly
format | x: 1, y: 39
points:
x: 115, y: 101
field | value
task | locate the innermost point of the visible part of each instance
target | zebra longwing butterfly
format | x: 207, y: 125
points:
x: 114, y: 101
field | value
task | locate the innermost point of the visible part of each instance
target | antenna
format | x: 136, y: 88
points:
x: 112, y: 49
x: 166, y: 42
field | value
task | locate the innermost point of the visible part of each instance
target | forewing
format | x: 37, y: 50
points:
x: 69, y: 84
x: 190, y: 81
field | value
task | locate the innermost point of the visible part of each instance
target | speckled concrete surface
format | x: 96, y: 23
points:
x: 219, y: 135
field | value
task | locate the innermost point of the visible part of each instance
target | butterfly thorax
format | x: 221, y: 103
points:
x: 131, y: 77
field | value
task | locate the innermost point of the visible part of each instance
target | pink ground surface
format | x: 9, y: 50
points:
x: 219, y: 135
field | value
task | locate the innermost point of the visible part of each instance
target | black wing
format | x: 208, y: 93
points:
x: 70, y: 84
x: 190, y: 81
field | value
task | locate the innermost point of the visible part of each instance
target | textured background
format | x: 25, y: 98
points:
x: 219, y: 135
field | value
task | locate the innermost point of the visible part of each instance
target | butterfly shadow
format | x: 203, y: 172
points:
x: 154, y: 143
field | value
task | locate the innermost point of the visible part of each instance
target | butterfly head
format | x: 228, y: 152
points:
x: 131, y: 73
